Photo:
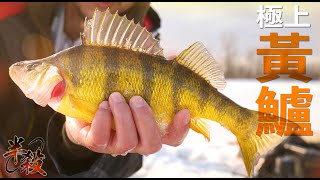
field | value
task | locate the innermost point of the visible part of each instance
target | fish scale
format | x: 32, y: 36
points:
x: 90, y: 81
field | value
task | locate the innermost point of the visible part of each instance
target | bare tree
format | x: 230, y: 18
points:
x: 228, y: 44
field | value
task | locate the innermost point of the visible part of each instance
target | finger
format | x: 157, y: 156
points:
x: 73, y: 129
x: 99, y: 134
x: 172, y: 57
x: 126, y: 137
x: 178, y: 130
x: 150, y: 139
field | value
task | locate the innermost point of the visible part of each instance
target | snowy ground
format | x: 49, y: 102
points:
x: 219, y: 158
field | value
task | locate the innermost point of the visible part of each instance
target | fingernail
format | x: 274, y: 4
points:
x: 104, y: 105
x: 186, y: 119
x: 137, y: 101
x: 101, y: 146
x: 117, y: 97
x: 125, y: 153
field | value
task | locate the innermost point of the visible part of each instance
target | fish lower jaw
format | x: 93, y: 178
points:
x: 41, y: 97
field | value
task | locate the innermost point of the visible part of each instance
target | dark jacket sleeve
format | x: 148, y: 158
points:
x: 76, y: 161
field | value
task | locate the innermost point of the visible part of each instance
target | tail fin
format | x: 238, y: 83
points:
x: 253, y: 146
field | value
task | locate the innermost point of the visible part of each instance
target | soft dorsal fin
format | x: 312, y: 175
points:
x: 107, y: 29
x: 199, y: 60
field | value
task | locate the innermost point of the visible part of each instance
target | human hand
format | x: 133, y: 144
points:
x: 136, y: 130
x: 172, y: 57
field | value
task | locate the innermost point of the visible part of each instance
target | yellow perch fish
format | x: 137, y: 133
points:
x: 118, y: 55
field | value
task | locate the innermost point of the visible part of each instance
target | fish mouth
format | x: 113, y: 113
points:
x: 13, y: 72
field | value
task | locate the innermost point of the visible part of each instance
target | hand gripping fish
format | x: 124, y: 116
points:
x: 118, y: 55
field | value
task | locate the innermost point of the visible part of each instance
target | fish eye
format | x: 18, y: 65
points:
x: 28, y: 68
x: 32, y: 66
x: 36, y: 64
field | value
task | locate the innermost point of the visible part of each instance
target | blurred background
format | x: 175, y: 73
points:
x: 230, y: 32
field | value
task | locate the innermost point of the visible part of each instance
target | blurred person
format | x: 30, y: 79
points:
x: 74, y: 148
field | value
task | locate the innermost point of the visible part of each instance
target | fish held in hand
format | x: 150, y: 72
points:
x: 117, y: 55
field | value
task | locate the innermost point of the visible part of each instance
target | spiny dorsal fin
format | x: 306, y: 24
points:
x: 106, y: 29
x: 199, y: 60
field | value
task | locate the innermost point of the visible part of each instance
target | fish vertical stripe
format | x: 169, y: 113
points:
x: 176, y: 86
x: 204, y: 94
x: 157, y: 88
x: 186, y: 93
x: 162, y: 93
x: 130, y: 81
x: 75, y: 66
x: 90, y: 76
x: 112, y: 67
x: 147, y: 76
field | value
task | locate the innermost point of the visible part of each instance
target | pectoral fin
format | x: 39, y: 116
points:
x: 85, y: 109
